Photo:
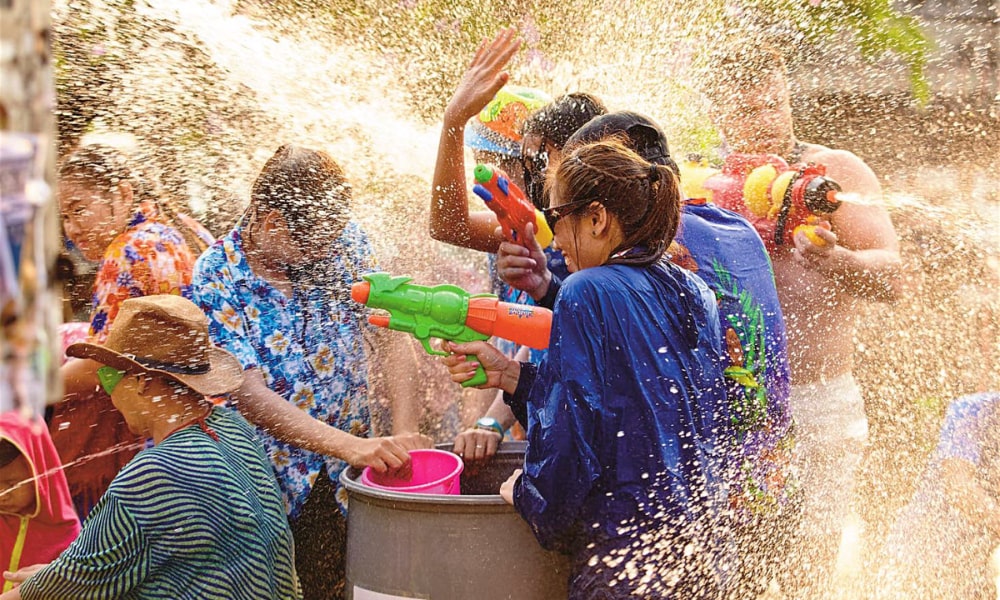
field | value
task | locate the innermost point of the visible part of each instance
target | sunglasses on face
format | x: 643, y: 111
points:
x: 554, y: 213
x: 109, y: 378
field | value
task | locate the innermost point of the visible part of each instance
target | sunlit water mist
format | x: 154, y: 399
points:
x: 312, y: 88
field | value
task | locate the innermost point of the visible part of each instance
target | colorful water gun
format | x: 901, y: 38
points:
x: 512, y: 207
x: 448, y: 312
x: 775, y: 197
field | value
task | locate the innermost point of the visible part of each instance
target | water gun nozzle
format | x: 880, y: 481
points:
x: 360, y: 292
x: 379, y: 320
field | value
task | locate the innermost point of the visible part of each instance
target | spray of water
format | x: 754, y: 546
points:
x: 212, y: 88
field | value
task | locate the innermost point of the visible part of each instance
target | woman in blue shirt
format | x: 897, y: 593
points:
x: 625, y: 414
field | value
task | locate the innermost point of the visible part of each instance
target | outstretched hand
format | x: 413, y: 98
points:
x: 484, y: 77
x: 525, y: 267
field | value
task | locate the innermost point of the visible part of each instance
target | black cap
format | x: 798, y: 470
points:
x: 644, y: 136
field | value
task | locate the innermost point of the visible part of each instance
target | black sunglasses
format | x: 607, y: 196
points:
x: 554, y: 213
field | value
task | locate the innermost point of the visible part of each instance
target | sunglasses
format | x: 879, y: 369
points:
x: 554, y: 213
x: 109, y: 378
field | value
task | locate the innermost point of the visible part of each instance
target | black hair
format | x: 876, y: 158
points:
x: 555, y: 123
x: 637, y: 131
x: 8, y: 453
x: 306, y: 186
x: 106, y: 168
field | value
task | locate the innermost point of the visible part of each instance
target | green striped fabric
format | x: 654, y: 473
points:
x: 190, y: 518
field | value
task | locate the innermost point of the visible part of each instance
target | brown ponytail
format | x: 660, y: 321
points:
x: 644, y: 197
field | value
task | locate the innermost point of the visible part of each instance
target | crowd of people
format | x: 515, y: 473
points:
x: 693, y: 430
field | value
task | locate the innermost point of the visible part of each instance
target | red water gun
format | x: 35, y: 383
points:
x: 510, y: 204
x: 776, y: 198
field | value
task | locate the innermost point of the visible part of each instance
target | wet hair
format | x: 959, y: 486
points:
x: 306, y: 186
x: 104, y: 167
x: 638, y: 132
x: 556, y: 122
x: 643, y: 196
x: 8, y: 453
x: 742, y: 66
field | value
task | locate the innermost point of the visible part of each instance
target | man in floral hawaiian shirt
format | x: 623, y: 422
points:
x: 277, y: 292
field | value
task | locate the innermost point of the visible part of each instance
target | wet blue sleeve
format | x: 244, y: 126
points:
x: 518, y: 401
x: 549, y: 299
x: 561, y: 466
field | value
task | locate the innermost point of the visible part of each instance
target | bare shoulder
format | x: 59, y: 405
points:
x: 847, y: 169
x: 863, y: 223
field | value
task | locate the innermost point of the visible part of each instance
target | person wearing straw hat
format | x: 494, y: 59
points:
x: 199, y: 514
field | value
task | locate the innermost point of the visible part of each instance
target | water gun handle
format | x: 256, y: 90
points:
x: 480, y: 377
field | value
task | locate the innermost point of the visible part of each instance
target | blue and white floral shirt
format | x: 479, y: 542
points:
x: 309, y: 347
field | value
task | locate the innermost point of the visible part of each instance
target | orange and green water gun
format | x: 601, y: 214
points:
x: 447, y: 312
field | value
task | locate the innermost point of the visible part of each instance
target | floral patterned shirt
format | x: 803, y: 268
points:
x: 308, y: 347
x: 149, y: 257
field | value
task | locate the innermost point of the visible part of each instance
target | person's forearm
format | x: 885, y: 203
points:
x: 450, y: 219
x: 501, y: 412
x: 285, y: 421
x: 869, y: 274
x: 401, y: 384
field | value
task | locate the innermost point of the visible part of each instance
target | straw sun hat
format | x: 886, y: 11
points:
x: 166, y: 335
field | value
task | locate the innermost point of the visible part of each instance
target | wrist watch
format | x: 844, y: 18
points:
x: 491, y: 424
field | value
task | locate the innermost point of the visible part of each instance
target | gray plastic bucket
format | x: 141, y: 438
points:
x: 470, y: 546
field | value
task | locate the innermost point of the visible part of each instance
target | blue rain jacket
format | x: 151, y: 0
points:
x: 623, y: 418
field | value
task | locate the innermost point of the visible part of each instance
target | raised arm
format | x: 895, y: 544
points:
x: 450, y: 220
x: 393, y: 371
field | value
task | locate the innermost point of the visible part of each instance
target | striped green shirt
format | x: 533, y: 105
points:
x: 190, y: 518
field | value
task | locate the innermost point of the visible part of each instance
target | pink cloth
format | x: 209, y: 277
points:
x: 54, y: 524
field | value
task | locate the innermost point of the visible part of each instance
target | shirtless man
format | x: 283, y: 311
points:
x: 820, y: 290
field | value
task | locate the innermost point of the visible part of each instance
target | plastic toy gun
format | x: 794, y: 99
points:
x: 513, y: 209
x: 775, y: 197
x: 448, y: 312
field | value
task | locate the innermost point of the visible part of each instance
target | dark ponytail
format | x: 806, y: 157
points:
x: 644, y: 197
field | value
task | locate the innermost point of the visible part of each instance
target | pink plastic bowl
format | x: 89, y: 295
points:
x: 434, y: 472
